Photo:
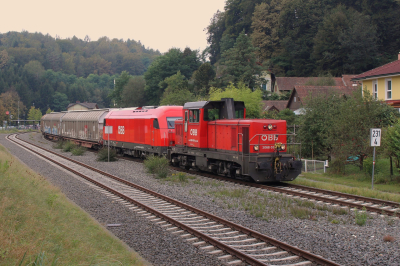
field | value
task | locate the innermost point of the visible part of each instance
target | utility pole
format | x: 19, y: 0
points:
x: 18, y: 114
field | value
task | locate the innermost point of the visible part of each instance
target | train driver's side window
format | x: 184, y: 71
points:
x: 194, y: 116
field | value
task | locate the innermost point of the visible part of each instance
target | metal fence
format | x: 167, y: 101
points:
x: 314, y: 166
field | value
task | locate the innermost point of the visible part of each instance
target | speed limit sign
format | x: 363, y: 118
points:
x: 375, y: 134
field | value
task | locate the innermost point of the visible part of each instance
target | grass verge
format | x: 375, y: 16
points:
x: 349, y: 184
x: 39, y: 222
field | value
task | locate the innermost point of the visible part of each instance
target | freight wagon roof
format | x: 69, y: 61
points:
x: 161, y: 111
x: 53, y: 116
x: 84, y: 115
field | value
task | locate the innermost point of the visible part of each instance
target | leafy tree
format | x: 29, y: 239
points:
x: 9, y: 102
x: 338, y: 126
x: 202, y: 78
x: 177, y: 92
x: 35, y: 69
x: 288, y: 115
x: 133, y: 92
x: 251, y: 99
x: 49, y: 111
x: 60, y: 102
x: 165, y: 66
x: 120, y: 83
x: 239, y: 63
x: 215, y: 32
x: 346, y: 41
x: 34, y: 114
x: 265, y: 25
x: 4, y: 58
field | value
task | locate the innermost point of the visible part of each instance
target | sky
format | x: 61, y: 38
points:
x: 158, y: 24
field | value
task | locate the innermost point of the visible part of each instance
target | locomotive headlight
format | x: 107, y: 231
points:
x: 283, y: 147
x: 270, y: 127
x: 256, y: 147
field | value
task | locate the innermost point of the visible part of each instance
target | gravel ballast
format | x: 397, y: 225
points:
x: 332, y: 236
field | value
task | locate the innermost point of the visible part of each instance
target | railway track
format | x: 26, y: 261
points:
x: 336, y: 199
x: 232, y: 243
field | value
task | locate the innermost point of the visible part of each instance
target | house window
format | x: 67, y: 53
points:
x: 388, y: 89
x: 375, y: 89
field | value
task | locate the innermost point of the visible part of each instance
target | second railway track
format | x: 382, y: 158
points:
x: 234, y: 244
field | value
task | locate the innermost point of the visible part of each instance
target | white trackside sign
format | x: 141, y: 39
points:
x: 375, y: 134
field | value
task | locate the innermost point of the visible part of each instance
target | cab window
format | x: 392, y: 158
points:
x: 211, y: 114
x: 171, y: 121
x: 194, y: 116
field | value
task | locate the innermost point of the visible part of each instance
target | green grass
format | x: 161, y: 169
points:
x: 39, y: 224
x: 355, y: 182
x: 68, y: 146
x: 179, y: 178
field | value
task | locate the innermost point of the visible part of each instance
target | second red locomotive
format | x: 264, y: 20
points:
x: 209, y: 136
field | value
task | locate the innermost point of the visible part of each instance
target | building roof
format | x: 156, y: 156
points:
x: 305, y: 91
x: 85, y: 104
x: 288, y: 83
x: 388, y: 69
x: 279, y: 105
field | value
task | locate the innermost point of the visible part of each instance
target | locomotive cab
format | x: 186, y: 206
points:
x: 215, y: 136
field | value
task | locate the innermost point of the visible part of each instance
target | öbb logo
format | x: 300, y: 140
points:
x: 193, y: 132
x: 121, y: 130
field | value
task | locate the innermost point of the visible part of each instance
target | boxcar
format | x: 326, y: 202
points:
x: 84, y: 127
x: 51, y: 125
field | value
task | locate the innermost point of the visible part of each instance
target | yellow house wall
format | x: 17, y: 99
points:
x: 367, y: 84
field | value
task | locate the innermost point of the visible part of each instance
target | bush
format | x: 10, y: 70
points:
x: 158, y: 166
x: 68, y: 146
x: 58, y: 145
x: 382, y: 170
x: 102, y: 155
x: 361, y: 217
x: 78, y: 150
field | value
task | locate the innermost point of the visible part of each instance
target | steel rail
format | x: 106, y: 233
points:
x: 341, y: 194
x: 304, y: 254
x: 304, y: 195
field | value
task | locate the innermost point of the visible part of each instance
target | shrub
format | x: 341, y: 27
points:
x: 158, y: 166
x: 102, y: 155
x: 68, y: 146
x: 58, y: 145
x: 78, y: 150
x: 361, y: 217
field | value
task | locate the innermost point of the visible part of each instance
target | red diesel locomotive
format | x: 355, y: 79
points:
x: 209, y: 136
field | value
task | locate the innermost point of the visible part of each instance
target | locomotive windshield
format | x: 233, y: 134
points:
x: 171, y: 121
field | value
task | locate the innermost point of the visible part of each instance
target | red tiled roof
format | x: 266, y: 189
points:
x: 280, y: 105
x: 288, y: 83
x: 390, y: 68
x: 304, y: 91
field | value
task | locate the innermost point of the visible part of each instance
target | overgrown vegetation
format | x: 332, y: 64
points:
x: 157, y: 165
x: 68, y: 146
x: 78, y: 150
x: 361, y: 216
x: 39, y: 225
x: 103, y: 155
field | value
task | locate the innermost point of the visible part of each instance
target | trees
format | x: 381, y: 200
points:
x: 60, y: 102
x: 337, y: 126
x: 165, y: 66
x: 34, y: 114
x: 251, y: 99
x: 202, y: 79
x: 176, y: 92
x: 239, y: 63
x: 116, y: 93
x: 265, y: 23
x: 133, y: 92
